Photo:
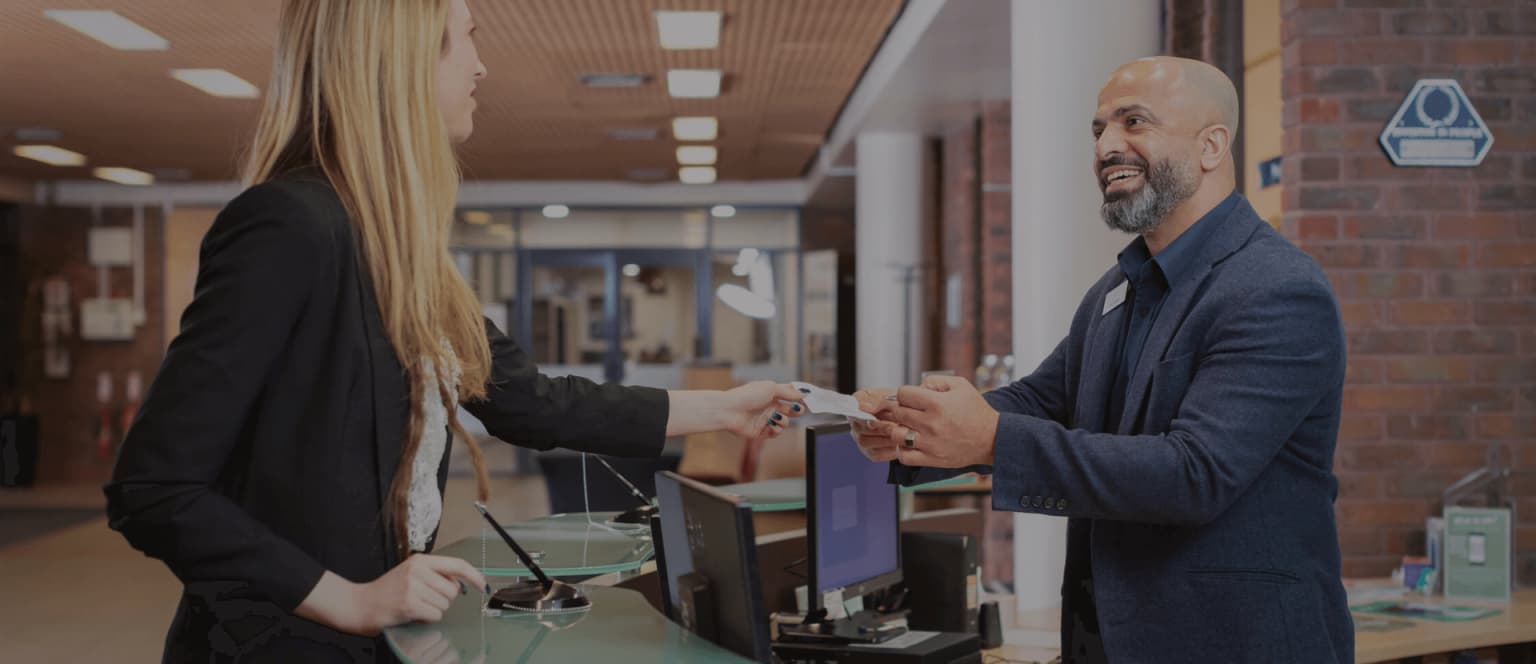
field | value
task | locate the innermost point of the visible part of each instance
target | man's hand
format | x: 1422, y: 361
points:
x: 955, y: 426
x: 877, y: 440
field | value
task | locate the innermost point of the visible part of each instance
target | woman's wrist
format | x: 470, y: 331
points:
x: 339, y: 604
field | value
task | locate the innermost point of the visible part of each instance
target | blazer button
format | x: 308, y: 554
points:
x: 1024, y: 501
x: 1050, y: 503
x: 1036, y: 501
x: 1061, y: 504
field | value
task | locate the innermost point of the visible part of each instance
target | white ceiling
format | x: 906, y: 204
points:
x: 941, y: 62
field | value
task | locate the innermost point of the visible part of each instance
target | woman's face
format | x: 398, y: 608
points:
x: 458, y: 72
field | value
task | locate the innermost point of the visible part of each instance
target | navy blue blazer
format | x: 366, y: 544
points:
x: 1209, y: 504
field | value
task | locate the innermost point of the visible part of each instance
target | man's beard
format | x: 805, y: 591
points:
x: 1168, y: 183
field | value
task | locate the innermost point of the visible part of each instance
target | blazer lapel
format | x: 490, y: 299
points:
x: 1158, y: 338
x: 1230, y: 235
x: 1098, y: 368
x: 387, y: 384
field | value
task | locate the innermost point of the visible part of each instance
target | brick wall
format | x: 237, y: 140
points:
x: 997, y: 229
x: 1192, y: 28
x: 959, y: 247
x: 976, y: 244
x: 54, y: 243
x: 1435, y: 268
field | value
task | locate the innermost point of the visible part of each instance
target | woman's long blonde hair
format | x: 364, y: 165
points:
x: 354, y: 93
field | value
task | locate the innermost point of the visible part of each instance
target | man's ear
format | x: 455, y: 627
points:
x: 1215, y: 144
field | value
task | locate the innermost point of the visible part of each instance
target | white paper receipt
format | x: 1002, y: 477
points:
x: 828, y: 402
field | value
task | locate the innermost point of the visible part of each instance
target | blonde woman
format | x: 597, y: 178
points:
x: 289, y: 461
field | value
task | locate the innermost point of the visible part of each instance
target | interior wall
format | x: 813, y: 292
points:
x: 184, y: 231
x: 1434, y: 268
x: 54, y: 244
x: 1261, y: 123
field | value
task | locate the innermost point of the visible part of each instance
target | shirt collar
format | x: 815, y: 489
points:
x: 1174, y: 261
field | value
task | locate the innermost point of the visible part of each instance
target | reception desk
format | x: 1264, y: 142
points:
x: 1513, y: 632
x: 624, y: 623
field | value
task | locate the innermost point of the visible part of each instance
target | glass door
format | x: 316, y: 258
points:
x: 568, y: 313
x: 630, y: 315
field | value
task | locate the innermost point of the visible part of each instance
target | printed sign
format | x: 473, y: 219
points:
x: 1437, y: 126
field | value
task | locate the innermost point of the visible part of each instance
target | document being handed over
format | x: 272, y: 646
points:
x: 823, y: 401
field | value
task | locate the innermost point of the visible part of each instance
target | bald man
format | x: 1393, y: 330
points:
x: 1186, y: 425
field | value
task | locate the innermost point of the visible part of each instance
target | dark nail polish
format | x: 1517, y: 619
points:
x: 487, y: 588
x: 805, y: 391
x: 795, y: 408
x: 778, y: 416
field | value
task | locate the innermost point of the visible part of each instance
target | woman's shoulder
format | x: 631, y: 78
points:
x: 300, y: 206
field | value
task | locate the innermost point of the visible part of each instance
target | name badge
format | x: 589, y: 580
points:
x: 1114, y: 298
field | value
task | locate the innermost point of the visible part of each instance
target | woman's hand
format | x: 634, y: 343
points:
x: 761, y: 409
x: 419, y: 589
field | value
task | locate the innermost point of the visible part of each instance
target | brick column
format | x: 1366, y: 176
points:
x: 1435, y: 268
x: 959, y: 249
x: 997, y: 230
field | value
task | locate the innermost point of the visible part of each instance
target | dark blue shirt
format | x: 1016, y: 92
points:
x: 1149, y: 280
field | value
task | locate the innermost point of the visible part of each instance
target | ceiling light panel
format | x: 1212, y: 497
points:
x: 696, y: 174
x: 693, y: 83
x: 126, y: 176
x: 697, y: 155
x: 217, y: 82
x: 688, y: 30
x: 110, y: 28
x: 50, y: 154
x: 699, y: 128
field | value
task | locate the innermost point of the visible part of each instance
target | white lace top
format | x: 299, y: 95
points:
x: 425, y: 501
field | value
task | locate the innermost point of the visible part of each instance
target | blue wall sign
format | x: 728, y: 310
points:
x: 1269, y: 172
x: 1437, y: 126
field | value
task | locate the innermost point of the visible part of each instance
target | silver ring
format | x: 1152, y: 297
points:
x: 910, y: 442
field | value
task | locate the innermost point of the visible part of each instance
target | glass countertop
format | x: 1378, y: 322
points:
x: 620, y: 627
x: 562, y: 544
x: 968, y: 478
x: 789, y: 493
x: 772, y: 495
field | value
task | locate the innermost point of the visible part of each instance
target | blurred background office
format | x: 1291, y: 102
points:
x: 699, y: 193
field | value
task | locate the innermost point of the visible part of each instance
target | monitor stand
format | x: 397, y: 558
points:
x: 862, y: 627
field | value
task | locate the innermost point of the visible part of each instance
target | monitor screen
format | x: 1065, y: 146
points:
x: 854, y: 518
x: 721, y: 540
x: 673, y: 559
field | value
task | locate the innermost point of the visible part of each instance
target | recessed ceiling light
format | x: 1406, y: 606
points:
x: 696, y: 174
x: 217, y: 82
x: 697, y: 128
x: 647, y: 173
x: 693, y: 83
x: 631, y: 270
x: 722, y: 211
x: 37, y: 135
x: 50, y: 154
x: 633, y: 133
x: 555, y: 212
x: 696, y: 155
x: 614, y: 80
x: 477, y: 217
x: 683, y: 30
x: 110, y: 28
x: 126, y: 176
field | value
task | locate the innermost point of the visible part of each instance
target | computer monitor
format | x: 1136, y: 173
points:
x: 854, y: 520
x: 670, y: 536
x: 723, y: 549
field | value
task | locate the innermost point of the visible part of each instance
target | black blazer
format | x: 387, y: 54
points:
x: 265, y: 449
